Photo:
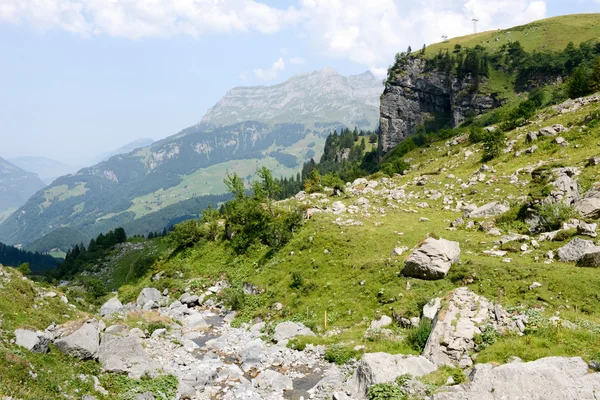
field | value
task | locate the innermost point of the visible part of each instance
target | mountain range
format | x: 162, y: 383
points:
x: 279, y: 127
x: 16, y: 186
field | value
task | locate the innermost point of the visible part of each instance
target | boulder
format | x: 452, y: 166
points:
x: 118, y: 329
x: 288, y: 330
x: 125, y: 355
x: 273, y: 380
x: 575, y: 249
x: 591, y: 260
x: 531, y: 137
x: 34, y: 341
x: 489, y: 210
x: 338, y: 207
x: 565, y: 186
x: 83, y: 343
x: 195, y: 322
x: 112, y: 306
x: 148, y: 294
x: 381, y: 323
x: 587, y: 229
x: 588, y: 207
x: 189, y: 300
x: 556, y: 378
x: 374, y: 368
x: 432, y: 260
x: 454, y: 328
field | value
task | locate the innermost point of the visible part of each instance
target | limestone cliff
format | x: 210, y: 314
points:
x: 415, y: 94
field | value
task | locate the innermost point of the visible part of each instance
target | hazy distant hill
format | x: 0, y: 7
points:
x: 16, y: 186
x: 46, y: 168
x: 279, y: 126
x: 142, y: 142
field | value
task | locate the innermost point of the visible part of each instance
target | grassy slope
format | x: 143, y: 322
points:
x: 544, y: 35
x: 361, y: 253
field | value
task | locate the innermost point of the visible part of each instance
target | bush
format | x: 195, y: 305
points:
x: 385, y: 391
x: 552, y: 216
x: 185, y: 234
x: 333, y: 180
x: 297, y: 280
x: 339, y: 354
x: 493, y: 142
x: 233, y: 298
x: 417, y: 337
x: 154, y: 326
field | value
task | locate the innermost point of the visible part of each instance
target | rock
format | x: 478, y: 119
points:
x: 338, y: 207
x: 588, y: 207
x: 454, y: 328
x: 34, y: 341
x: 561, y: 141
x: 587, y: 229
x: 531, y: 150
x: 158, y: 333
x: 576, y: 249
x: 118, y: 329
x: 288, y: 330
x: 489, y: 210
x: 381, y: 323
x: 145, y: 396
x: 432, y: 260
x: 138, y: 333
x: 565, y: 186
x: 374, y: 368
x: 535, y: 285
x: 148, y: 294
x: 251, y: 289
x: 195, y: 322
x: 189, y: 300
x: 83, y: 343
x: 594, y: 161
x: 274, y: 381
x: 432, y: 307
x: 531, y: 137
x: 125, y: 355
x: 556, y: 378
x: 591, y: 260
x: 361, y: 201
x: 398, y: 251
x: 548, y: 131
x: 112, y: 306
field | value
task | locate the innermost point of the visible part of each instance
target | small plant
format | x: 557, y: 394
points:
x: 233, y: 298
x: 297, y: 280
x: 403, y: 379
x: 339, y: 354
x: 153, y: 326
x: 487, y: 337
x: 417, y: 337
x: 385, y: 391
x: 552, y: 216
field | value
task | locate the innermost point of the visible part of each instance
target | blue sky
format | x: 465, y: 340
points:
x: 81, y: 77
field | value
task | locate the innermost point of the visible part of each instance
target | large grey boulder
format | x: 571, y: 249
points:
x: 148, y: 294
x: 374, y: 368
x: 591, y: 260
x: 489, y: 210
x: 288, y: 330
x: 555, y: 378
x: 273, y: 380
x: 112, y: 306
x: 195, y: 322
x: 190, y: 300
x: 588, y: 207
x: 565, y: 186
x: 432, y: 260
x: 83, y: 343
x: 454, y: 328
x: 575, y: 249
x: 34, y: 341
x: 125, y: 355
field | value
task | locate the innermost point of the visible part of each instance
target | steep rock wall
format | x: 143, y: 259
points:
x: 415, y: 95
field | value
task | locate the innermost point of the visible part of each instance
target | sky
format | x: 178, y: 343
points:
x: 83, y: 77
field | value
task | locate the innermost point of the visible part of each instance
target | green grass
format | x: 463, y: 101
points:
x: 544, y: 35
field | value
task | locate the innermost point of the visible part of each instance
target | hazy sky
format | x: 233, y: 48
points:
x: 81, y: 77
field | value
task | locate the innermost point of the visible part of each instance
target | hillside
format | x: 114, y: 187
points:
x: 193, y: 163
x: 46, y: 168
x: 16, y: 186
x: 128, y: 148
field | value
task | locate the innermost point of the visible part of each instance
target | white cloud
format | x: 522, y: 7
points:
x: 244, y: 76
x: 271, y: 73
x: 370, y: 32
x: 296, y: 61
x: 367, y: 32
x: 147, y: 18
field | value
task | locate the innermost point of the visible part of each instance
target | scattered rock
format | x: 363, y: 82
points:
x: 189, y: 300
x: 590, y: 260
x: 148, y: 294
x: 576, y: 249
x: 489, y: 210
x: 535, y: 285
x: 125, y: 355
x: 274, y: 380
x: 381, y: 323
x: 288, y: 330
x: 34, y: 341
x: 432, y: 307
x: 112, y: 306
x: 432, y: 260
x: 83, y: 343
x: 588, y: 207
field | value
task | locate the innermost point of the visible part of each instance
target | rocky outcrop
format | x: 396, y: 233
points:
x: 556, y: 378
x: 125, y: 355
x: 416, y: 94
x: 432, y: 260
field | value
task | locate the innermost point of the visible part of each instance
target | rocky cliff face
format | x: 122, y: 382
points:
x: 415, y: 95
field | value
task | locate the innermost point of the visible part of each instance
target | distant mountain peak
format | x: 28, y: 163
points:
x: 321, y: 96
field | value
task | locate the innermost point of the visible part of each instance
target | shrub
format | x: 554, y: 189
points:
x: 487, y: 337
x: 339, y: 354
x: 493, y: 142
x: 385, y: 391
x: 313, y: 183
x: 153, y: 326
x: 417, y: 337
x: 233, y: 298
x: 552, y: 216
x: 333, y: 180
x: 185, y: 234
x: 297, y: 280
